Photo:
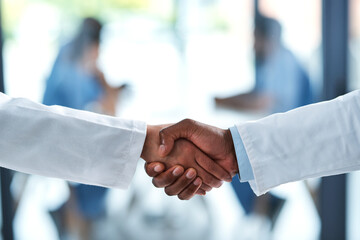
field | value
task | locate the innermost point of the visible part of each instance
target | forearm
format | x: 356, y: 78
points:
x: 316, y: 140
x: 69, y: 144
x: 247, y: 101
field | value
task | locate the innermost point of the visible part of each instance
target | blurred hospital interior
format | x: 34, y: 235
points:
x: 220, y: 62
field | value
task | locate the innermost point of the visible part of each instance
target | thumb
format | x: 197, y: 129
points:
x: 167, y: 140
x: 153, y: 169
x: 170, y: 134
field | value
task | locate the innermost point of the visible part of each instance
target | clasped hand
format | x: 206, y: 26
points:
x: 189, y: 157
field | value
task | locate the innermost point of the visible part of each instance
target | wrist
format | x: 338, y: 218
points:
x: 145, y: 151
x: 150, y: 152
x: 231, y: 152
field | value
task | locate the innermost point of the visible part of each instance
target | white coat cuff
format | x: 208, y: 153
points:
x: 127, y: 171
x: 256, y: 166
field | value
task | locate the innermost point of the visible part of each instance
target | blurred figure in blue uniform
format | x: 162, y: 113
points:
x: 76, y: 82
x: 281, y: 84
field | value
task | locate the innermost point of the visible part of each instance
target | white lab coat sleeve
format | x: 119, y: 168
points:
x: 69, y: 144
x: 316, y: 140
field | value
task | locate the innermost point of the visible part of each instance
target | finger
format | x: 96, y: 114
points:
x: 168, y: 177
x: 212, y: 167
x: 208, y: 179
x: 205, y: 188
x: 191, y: 190
x: 153, y: 169
x: 181, y: 183
x: 201, y: 192
x: 169, y: 134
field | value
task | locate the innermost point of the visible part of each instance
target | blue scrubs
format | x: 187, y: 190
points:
x: 69, y: 86
x: 280, y: 76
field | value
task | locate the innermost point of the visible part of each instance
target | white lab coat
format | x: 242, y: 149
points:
x: 317, y: 140
x: 70, y: 144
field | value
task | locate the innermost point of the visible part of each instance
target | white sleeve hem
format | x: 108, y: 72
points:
x: 136, y: 146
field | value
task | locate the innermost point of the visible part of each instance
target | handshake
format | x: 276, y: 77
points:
x: 189, y: 157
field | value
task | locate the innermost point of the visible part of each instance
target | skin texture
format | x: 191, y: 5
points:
x: 248, y: 101
x: 215, y: 142
x: 187, y: 155
x: 165, y: 179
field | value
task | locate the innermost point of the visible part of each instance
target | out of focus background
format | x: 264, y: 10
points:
x: 217, y: 61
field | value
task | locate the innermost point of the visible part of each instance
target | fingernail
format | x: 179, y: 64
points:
x: 197, y: 182
x: 177, y: 171
x: 220, y: 184
x: 162, y: 148
x: 158, y: 168
x: 190, y: 174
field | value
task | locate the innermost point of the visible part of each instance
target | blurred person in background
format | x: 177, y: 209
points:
x: 77, y: 82
x: 281, y: 84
